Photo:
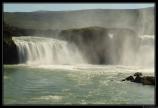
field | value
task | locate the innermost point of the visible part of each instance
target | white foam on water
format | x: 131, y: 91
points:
x: 50, y: 97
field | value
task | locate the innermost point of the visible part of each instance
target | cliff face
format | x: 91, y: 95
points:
x: 10, y: 53
x: 102, y: 45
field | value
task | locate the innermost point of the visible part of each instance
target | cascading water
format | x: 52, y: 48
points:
x: 47, y: 51
x: 50, y: 51
x: 145, y: 55
x: 137, y: 51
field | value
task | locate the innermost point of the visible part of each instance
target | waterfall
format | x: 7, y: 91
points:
x: 146, y: 53
x: 140, y: 53
x: 50, y: 51
x: 47, y: 51
x: 144, y: 56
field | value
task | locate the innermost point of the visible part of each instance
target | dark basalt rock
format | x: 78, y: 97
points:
x: 138, y: 79
x: 138, y: 74
x: 10, y: 53
x: 96, y: 43
x: 145, y: 80
x: 148, y: 80
x: 130, y: 78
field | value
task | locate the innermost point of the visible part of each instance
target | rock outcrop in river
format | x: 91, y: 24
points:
x: 139, y: 78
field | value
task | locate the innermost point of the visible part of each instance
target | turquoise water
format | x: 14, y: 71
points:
x: 74, y: 84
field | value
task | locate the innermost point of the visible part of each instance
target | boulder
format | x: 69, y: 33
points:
x: 130, y: 78
x: 148, y: 80
x: 138, y: 79
x: 145, y: 80
x: 138, y: 74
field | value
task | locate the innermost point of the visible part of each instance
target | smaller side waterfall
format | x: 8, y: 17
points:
x: 47, y: 51
x: 146, y: 53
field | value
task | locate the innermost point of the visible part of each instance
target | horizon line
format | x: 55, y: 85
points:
x: 80, y: 10
x: 28, y: 7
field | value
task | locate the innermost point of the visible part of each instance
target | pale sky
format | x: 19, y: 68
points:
x: 28, y: 7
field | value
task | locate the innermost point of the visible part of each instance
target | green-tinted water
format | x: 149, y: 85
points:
x: 74, y: 85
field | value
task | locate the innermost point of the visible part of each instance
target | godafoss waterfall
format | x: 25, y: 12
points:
x: 79, y: 65
x: 46, y: 51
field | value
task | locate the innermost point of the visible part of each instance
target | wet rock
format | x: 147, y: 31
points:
x: 130, y: 78
x: 148, y: 80
x: 138, y: 74
x: 139, y: 78
x: 10, y: 52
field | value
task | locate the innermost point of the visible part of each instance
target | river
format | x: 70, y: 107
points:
x: 74, y: 84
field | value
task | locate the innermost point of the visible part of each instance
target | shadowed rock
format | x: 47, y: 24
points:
x: 138, y: 79
x: 148, y: 80
x: 138, y: 74
x: 145, y: 80
x: 130, y: 78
